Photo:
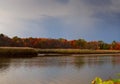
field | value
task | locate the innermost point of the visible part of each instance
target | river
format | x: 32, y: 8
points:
x: 58, y: 70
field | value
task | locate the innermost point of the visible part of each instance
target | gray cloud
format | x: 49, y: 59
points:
x: 104, y: 7
x: 63, y: 1
x: 98, y: 2
x: 36, y: 9
x: 77, y: 16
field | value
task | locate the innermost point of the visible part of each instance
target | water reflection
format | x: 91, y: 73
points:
x: 116, y: 60
x: 76, y: 61
x: 4, y: 64
x: 57, y: 70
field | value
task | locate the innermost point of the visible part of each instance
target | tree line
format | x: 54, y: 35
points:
x: 62, y: 43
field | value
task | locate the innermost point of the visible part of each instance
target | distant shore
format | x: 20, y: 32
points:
x: 32, y: 52
x: 75, y: 51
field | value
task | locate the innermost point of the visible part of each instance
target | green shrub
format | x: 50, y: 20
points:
x: 98, y: 80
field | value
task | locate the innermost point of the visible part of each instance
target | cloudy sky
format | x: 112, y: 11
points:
x: 69, y: 19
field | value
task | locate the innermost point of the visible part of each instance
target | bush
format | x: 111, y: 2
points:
x: 98, y: 80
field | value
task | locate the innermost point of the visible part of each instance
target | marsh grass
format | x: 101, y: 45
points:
x: 77, y: 51
x: 17, y: 51
x: 26, y: 51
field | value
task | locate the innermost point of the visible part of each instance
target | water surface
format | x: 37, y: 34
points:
x: 58, y: 70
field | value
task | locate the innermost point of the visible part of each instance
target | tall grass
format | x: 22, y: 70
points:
x: 77, y: 51
x: 26, y: 51
x: 17, y: 51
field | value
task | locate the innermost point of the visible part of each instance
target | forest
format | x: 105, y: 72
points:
x: 61, y: 43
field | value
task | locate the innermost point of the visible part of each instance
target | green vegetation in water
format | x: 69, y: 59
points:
x: 98, y: 80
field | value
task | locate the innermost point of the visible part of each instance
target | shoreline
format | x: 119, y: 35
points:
x: 33, y: 52
x: 17, y: 52
x: 79, y: 55
x: 76, y: 51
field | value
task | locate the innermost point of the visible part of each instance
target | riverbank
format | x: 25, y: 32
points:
x: 76, y: 51
x: 32, y: 52
x: 17, y: 52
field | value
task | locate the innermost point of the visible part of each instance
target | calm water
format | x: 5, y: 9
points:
x: 58, y: 70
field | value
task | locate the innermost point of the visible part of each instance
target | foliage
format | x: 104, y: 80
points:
x: 98, y: 80
x: 61, y: 43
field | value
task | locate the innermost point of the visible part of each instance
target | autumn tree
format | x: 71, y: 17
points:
x: 56, y: 43
x: 93, y: 45
x: 5, y: 40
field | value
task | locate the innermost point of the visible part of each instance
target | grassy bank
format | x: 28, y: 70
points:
x: 76, y: 51
x: 17, y: 52
x: 30, y: 52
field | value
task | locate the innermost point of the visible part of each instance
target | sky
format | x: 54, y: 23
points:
x: 69, y: 19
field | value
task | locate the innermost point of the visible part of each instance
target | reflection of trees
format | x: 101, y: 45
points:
x: 39, y: 62
x: 115, y: 60
x: 79, y: 62
x: 95, y: 60
x: 4, y: 64
x: 62, y: 61
x: 89, y: 60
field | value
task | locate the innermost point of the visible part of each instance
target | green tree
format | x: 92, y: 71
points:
x: 81, y: 43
